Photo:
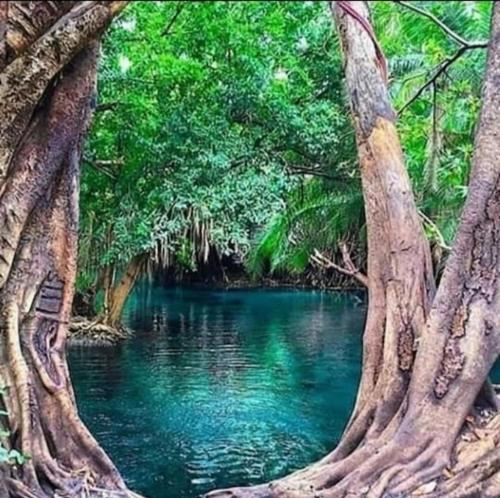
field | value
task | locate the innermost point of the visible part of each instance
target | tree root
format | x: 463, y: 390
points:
x: 398, y: 469
x: 93, y: 332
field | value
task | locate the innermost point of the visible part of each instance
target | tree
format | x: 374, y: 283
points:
x: 47, y: 88
x: 423, y: 366
x: 234, y: 105
x: 118, y: 293
x: 435, y: 83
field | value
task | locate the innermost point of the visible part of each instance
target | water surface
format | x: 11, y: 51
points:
x: 220, y: 388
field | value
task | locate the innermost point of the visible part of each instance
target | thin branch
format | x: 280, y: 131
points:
x: 436, y: 230
x: 349, y: 269
x: 304, y: 170
x: 434, y: 144
x: 180, y: 8
x: 107, y: 106
x: 103, y: 165
x: 441, y: 68
x: 454, y: 36
x: 110, y: 162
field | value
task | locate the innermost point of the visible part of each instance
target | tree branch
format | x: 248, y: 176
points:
x: 180, y: 8
x: 441, y: 68
x: 454, y: 36
x: 55, y: 47
x: 434, y: 227
x: 304, y: 170
x: 103, y: 165
x: 349, y: 269
x: 107, y: 106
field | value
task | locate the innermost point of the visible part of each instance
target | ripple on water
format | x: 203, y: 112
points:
x: 221, y: 388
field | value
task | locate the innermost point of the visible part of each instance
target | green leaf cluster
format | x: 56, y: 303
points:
x: 224, y: 126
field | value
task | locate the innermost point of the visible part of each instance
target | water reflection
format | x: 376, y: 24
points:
x: 221, y: 388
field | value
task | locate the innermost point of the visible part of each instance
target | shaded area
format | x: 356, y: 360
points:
x: 220, y: 388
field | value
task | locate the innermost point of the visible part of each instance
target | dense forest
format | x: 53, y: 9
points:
x: 330, y: 145
x: 222, y: 149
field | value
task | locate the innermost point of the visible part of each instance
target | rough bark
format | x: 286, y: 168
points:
x: 47, y: 90
x: 42, y: 55
x: 422, y: 405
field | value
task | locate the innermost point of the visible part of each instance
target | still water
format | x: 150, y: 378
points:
x: 219, y: 388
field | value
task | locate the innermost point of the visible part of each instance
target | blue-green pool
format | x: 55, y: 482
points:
x: 219, y: 388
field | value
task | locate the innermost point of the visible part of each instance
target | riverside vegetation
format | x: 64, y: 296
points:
x: 301, y: 141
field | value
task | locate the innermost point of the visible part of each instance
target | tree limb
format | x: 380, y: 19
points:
x: 180, y: 8
x: 304, y: 170
x: 55, y: 47
x: 440, y: 69
x: 102, y: 165
x: 349, y: 269
x: 107, y: 106
x: 454, y: 36
x: 444, y: 65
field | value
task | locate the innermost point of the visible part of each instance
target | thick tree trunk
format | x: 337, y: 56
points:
x: 409, y: 413
x: 119, y: 293
x: 43, y: 119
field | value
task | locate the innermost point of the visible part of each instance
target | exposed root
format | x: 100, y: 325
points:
x: 83, y: 331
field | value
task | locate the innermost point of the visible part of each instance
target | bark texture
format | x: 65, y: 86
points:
x: 422, y: 370
x: 47, y: 84
x: 119, y: 293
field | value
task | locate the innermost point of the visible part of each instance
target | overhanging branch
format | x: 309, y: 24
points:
x: 465, y: 45
x: 180, y: 8
x: 454, y: 36
x: 439, y: 70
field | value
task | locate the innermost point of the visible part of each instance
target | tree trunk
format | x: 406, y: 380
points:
x: 409, y: 412
x: 119, y: 293
x: 47, y: 86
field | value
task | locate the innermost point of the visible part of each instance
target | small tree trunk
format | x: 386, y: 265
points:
x: 119, y: 293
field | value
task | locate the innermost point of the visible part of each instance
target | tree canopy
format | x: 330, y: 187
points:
x: 208, y: 117
x: 223, y: 129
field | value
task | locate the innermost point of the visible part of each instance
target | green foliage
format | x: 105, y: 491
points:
x: 415, y: 48
x: 227, y: 129
x: 206, y: 124
x: 318, y: 215
x: 11, y: 457
x: 436, y: 133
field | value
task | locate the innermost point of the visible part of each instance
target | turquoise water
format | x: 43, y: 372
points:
x: 219, y: 388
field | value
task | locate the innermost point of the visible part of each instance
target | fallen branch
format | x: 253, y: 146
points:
x: 349, y: 269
